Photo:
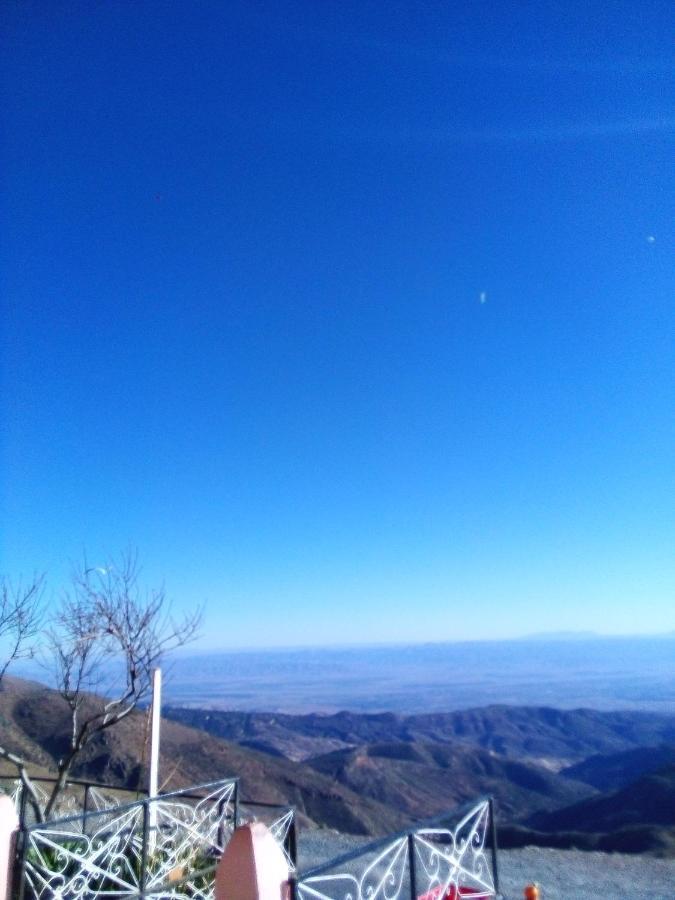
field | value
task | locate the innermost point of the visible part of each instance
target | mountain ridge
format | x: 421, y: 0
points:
x: 374, y: 773
x: 555, y: 738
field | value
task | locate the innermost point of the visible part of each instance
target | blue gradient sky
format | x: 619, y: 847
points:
x: 245, y: 249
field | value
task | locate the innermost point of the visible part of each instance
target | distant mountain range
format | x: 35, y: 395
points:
x: 560, y: 777
x: 565, y: 636
x: 553, y: 738
x: 534, y: 759
x: 591, y: 636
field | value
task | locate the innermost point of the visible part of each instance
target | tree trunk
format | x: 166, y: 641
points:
x: 60, y: 783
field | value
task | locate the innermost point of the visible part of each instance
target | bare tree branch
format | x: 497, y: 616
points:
x: 20, y: 619
x: 20, y: 607
x: 108, y: 636
x: 104, y: 641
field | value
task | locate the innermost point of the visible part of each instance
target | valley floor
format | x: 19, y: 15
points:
x: 562, y: 874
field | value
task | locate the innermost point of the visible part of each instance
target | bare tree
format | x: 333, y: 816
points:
x: 20, y: 622
x: 108, y: 636
x: 102, y: 644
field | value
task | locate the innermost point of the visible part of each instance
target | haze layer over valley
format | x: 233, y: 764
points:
x: 599, y: 673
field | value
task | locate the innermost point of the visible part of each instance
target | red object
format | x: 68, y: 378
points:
x: 452, y: 893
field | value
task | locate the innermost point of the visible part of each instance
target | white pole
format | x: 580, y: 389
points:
x: 153, y: 787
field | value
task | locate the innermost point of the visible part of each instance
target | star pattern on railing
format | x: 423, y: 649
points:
x: 64, y: 861
x: 447, y: 863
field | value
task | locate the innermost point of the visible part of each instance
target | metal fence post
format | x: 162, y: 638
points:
x: 85, y: 809
x: 222, y: 813
x: 20, y: 862
x: 493, y: 842
x: 20, y: 849
x: 292, y: 842
x: 22, y: 805
x: 220, y: 835
x: 20, y: 865
x: 144, y: 848
x: 236, y: 803
x: 411, y: 865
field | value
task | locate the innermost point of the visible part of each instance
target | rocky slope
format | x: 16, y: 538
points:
x: 34, y: 722
x: 424, y: 779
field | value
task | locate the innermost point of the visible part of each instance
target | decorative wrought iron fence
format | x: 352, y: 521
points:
x: 166, y: 845
x: 77, y: 796
x: 447, y: 858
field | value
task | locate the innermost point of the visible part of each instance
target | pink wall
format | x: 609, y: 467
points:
x: 253, y: 866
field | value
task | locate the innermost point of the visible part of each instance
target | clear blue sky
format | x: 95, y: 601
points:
x: 357, y: 319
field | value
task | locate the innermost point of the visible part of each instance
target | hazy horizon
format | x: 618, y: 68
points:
x: 201, y: 646
x: 599, y: 673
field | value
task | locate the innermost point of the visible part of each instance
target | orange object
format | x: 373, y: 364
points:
x: 531, y: 892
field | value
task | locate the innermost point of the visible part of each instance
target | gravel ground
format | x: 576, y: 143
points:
x: 561, y: 874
